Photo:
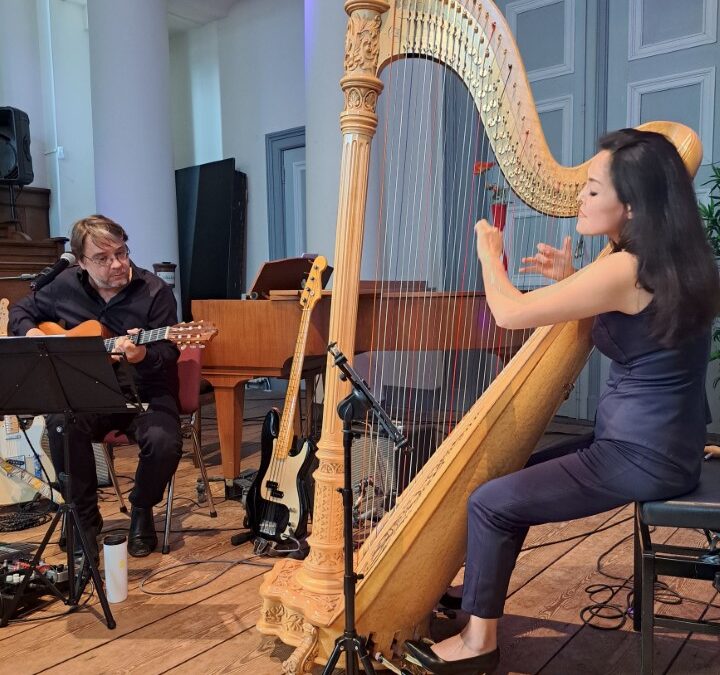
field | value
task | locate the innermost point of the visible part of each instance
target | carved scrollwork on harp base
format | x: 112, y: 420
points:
x: 412, y: 556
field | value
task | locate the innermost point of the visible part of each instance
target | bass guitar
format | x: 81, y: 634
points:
x: 278, y: 503
x: 22, y: 471
x: 189, y: 334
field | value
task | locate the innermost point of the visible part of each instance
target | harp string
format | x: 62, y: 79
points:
x: 409, y: 209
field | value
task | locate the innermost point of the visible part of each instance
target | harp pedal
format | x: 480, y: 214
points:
x: 390, y: 665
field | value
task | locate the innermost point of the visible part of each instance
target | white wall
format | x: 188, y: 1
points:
x: 262, y: 84
x: 196, y: 114
x: 325, y: 24
x: 69, y: 116
x: 20, y: 75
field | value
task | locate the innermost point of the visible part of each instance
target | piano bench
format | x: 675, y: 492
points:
x: 699, y: 509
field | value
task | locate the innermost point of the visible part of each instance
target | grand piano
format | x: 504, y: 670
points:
x: 257, y: 338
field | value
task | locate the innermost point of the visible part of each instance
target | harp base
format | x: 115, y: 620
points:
x: 299, y: 619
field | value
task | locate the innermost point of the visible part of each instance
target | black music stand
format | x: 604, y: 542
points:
x: 50, y: 375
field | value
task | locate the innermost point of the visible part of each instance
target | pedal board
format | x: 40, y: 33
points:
x: 238, y: 490
x: 16, y: 560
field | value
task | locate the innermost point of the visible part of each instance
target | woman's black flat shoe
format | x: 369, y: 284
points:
x: 421, y: 654
x: 451, y: 601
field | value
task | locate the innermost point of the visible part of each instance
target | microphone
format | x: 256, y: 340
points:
x: 49, y: 273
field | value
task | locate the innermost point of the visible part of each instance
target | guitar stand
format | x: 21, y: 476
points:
x: 49, y: 376
x: 354, y: 407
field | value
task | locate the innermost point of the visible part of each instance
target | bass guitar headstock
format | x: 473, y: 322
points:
x: 312, y: 292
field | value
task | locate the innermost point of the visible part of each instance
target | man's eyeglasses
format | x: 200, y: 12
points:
x: 107, y: 260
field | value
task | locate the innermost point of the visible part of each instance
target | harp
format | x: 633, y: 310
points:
x: 414, y: 547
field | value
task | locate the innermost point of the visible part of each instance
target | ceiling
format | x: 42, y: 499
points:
x: 186, y: 14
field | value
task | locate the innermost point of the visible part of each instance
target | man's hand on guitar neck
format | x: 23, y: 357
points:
x: 133, y: 353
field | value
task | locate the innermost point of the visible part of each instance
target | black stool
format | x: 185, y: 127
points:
x: 699, y: 509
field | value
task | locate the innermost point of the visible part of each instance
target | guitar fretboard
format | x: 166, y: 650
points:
x: 142, y: 338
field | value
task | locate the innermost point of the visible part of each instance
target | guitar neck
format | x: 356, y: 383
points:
x: 285, y: 433
x: 142, y: 338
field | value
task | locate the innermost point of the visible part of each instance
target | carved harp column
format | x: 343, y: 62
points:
x: 323, y: 569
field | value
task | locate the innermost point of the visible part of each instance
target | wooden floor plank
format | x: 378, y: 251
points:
x: 618, y: 651
x: 173, y: 639
x: 211, y: 629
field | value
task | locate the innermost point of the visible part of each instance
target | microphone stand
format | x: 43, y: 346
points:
x: 354, y: 407
x: 21, y: 277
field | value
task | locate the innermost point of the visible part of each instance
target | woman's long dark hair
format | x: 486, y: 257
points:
x: 665, y: 233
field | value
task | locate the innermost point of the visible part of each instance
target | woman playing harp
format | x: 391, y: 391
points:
x: 654, y: 298
x: 455, y: 101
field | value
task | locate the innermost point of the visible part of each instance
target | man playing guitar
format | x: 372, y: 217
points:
x: 107, y: 286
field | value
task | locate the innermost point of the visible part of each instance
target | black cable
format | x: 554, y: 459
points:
x: 605, y: 610
x: 576, y: 536
x: 26, y: 517
x: 34, y: 452
x: 229, y: 564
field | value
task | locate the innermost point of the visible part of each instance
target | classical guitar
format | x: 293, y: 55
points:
x: 277, y: 503
x: 189, y: 334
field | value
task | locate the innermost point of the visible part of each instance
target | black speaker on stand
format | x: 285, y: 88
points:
x: 211, y: 208
x: 15, y: 159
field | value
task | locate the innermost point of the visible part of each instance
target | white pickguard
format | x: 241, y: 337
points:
x: 285, y: 473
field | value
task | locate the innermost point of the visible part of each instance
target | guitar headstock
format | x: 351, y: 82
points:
x: 192, y: 334
x: 4, y: 315
x: 312, y: 292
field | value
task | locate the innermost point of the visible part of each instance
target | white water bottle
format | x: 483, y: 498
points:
x: 116, y: 573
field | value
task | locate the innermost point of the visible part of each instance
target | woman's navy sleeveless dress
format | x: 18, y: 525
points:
x: 648, y: 441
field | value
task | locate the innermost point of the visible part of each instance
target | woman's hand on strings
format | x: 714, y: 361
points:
x: 489, y: 241
x: 551, y: 262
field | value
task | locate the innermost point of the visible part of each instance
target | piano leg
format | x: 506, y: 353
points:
x: 229, y: 402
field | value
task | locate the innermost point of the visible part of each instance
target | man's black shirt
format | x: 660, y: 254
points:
x: 146, y: 302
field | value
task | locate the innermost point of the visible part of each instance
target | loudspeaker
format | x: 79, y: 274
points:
x: 211, y: 209
x: 15, y: 159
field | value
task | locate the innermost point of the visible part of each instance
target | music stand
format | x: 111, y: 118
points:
x: 55, y: 375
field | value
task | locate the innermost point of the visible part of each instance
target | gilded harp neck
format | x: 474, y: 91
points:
x: 474, y: 40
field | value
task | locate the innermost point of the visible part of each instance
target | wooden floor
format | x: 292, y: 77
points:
x: 189, y: 626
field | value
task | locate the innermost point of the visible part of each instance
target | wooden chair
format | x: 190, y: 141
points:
x: 700, y: 509
x: 189, y: 367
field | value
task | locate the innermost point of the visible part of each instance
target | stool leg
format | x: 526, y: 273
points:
x: 196, y: 423
x: 637, y: 576
x: 203, y: 471
x: 648, y: 611
x: 113, y: 477
x: 168, y: 516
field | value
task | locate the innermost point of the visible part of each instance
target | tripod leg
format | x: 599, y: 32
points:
x: 333, y: 658
x: 90, y: 561
x: 9, y: 609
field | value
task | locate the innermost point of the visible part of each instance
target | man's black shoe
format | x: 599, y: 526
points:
x: 142, y: 538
